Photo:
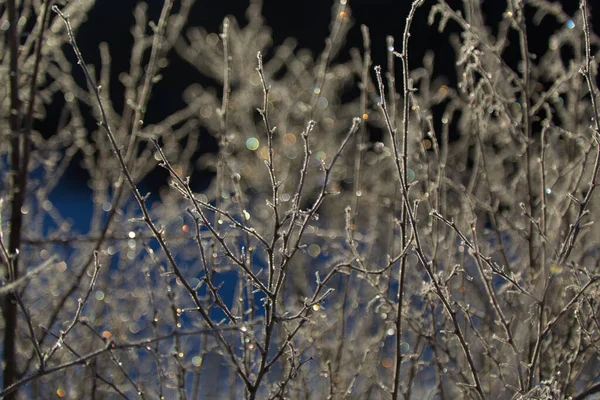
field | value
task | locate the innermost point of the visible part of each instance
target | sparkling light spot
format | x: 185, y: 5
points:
x: 264, y: 153
x: 212, y: 39
x: 328, y: 123
x: 556, y: 269
x: 206, y: 111
x: 252, y: 143
x: 289, y: 138
x: 570, y: 24
x: 314, y: 250
x: 322, y: 103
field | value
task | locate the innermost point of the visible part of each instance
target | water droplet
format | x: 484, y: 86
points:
x: 570, y: 24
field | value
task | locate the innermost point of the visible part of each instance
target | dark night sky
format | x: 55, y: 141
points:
x: 306, y: 20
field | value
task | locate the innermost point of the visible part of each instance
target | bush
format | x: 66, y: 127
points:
x: 454, y: 257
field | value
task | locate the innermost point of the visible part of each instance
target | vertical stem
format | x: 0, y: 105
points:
x: 361, y: 137
x: 18, y: 179
x: 404, y: 224
x: 533, y: 237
